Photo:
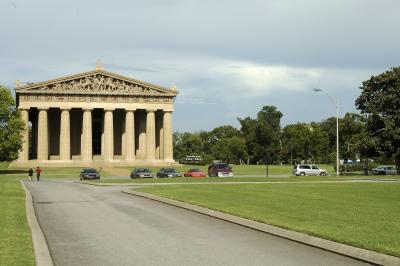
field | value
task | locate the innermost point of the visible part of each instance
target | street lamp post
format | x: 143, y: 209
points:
x: 336, y: 102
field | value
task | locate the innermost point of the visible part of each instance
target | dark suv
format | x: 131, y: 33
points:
x: 220, y: 170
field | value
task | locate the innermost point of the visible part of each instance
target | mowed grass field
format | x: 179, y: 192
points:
x: 15, y: 235
x: 365, y: 215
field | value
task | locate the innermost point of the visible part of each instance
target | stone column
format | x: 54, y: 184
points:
x: 141, y: 152
x: 24, y: 152
x: 65, y: 139
x: 86, y: 140
x: 150, y: 135
x: 130, y: 135
x: 43, y: 137
x: 167, y: 125
x: 108, y: 135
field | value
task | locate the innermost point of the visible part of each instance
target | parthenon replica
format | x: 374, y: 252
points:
x: 95, y: 118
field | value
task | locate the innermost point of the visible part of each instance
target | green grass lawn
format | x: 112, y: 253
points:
x: 365, y: 215
x: 15, y: 235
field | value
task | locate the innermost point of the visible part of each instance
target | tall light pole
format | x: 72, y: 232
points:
x: 336, y: 102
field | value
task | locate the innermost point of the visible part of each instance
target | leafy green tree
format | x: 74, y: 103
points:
x: 230, y: 150
x: 302, y: 141
x: 351, y: 126
x: 226, y: 131
x: 218, y: 138
x: 11, y: 127
x: 263, y: 135
x: 329, y: 126
x: 248, y: 129
x: 380, y: 102
x: 206, y: 143
x: 223, y: 143
x: 186, y: 144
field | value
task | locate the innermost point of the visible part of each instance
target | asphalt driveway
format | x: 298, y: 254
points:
x: 94, y: 225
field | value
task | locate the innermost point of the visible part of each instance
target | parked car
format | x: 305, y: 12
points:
x: 89, y: 173
x: 194, y: 173
x: 384, y: 170
x: 141, y: 173
x: 168, y: 172
x: 220, y: 170
x: 307, y: 169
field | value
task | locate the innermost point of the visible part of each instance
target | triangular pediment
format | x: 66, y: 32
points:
x: 97, y: 82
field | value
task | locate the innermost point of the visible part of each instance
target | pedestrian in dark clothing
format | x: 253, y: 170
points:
x: 30, y: 173
x: 38, y: 171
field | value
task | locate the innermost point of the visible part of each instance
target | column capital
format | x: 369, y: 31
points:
x: 167, y: 111
x: 43, y: 108
x: 87, y: 109
x: 130, y: 109
x: 151, y: 110
x: 109, y: 109
x: 23, y: 108
x: 65, y: 108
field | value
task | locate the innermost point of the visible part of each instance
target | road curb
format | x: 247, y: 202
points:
x: 40, y: 248
x: 343, y: 249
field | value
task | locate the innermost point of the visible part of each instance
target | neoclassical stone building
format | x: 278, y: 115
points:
x: 96, y: 118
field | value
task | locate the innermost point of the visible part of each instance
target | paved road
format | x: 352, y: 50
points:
x: 93, y: 225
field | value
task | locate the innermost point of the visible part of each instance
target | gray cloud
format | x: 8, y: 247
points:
x: 236, y: 55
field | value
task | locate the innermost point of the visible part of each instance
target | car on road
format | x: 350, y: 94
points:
x: 307, y: 169
x: 220, y: 170
x: 141, y: 173
x: 384, y: 170
x: 168, y: 172
x: 89, y: 173
x: 194, y: 173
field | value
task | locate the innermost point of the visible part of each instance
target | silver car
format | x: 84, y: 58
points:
x: 307, y: 169
x: 384, y: 170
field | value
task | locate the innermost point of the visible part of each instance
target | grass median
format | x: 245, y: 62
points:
x: 365, y: 215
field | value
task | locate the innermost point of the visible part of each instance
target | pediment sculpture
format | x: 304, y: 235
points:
x: 97, y: 83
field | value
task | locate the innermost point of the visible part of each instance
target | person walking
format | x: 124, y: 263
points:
x: 38, y: 171
x: 30, y: 173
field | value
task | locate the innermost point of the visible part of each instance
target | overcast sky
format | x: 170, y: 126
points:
x: 227, y: 58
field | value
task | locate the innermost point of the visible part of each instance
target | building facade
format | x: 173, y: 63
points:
x: 96, y: 117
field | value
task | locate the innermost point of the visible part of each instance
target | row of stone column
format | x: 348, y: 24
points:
x: 86, y: 140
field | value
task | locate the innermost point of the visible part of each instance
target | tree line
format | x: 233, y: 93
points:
x: 262, y: 138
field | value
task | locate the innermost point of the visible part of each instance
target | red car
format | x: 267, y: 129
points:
x: 195, y: 173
